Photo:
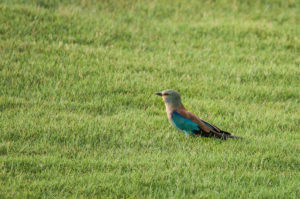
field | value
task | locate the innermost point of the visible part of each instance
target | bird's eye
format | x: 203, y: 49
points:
x: 166, y: 94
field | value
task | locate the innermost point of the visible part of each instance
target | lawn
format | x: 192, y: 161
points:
x: 79, y: 117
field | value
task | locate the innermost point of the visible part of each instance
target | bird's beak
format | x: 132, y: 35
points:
x: 158, y: 93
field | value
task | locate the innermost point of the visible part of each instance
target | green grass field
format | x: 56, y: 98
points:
x: 78, y: 114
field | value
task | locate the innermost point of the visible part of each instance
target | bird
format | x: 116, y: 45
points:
x: 187, y: 122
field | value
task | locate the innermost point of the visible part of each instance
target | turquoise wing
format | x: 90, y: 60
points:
x: 184, y: 124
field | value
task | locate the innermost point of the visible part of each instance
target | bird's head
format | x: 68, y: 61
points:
x: 170, y: 97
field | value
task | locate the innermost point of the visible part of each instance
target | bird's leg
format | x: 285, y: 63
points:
x: 186, y: 134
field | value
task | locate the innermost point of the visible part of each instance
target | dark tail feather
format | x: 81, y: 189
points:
x: 224, y: 135
x: 220, y: 135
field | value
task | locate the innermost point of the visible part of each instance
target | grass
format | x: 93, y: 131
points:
x: 78, y: 114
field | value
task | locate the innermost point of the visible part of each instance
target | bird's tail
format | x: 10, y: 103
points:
x: 224, y: 135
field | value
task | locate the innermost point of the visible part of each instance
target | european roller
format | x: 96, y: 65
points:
x: 187, y: 122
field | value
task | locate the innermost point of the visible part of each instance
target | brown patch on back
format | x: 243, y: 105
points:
x: 185, y: 113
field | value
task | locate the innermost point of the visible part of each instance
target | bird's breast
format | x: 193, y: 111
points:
x: 173, y: 123
x: 169, y: 114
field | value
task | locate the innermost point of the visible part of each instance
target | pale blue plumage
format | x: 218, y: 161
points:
x: 184, y: 124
